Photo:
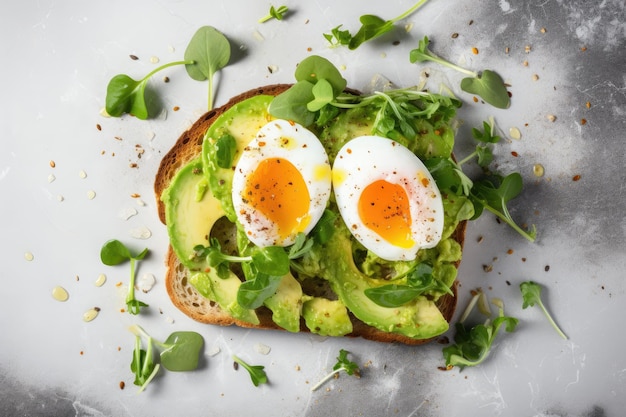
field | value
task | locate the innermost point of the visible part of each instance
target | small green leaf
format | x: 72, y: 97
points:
x: 253, y: 293
x: 126, y: 95
x: 323, y: 93
x: 315, y: 68
x: 292, y: 104
x: 372, y: 27
x: 490, y: 87
x: 257, y: 372
x: 114, y: 252
x: 225, y: 149
x: 392, y: 295
x: 271, y: 260
x: 182, y: 352
x: 209, y: 50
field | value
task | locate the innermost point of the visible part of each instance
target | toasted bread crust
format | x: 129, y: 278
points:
x: 185, y: 297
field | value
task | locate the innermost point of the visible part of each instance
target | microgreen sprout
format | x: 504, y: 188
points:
x: 531, y: 294
x: 267, y: 264
x: 418, y: 281
x: 257, y: 372
x: 371, y: 27
x: 483, y: 152
x: 180, y: 352
x: 487, y: 84
x: 473, y: 345
x: 207, y: 52
x: 277, y: 13
x: 114, y: 252
x: 343, y: 364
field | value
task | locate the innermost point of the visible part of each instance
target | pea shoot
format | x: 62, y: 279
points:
x: 208, y: 51
x: 277, y: 13
x: 343, y: 364
x: 531, y: 294
x: 487, y: 84
x: 371, y: 27
x: 473, y: 344
x: 257, y: 372
x: 113, y: 253
x: 180, y: 352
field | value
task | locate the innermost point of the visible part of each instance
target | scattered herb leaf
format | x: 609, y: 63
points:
x: 114, y: 252
x: 208, y: 51
x: 371, y: 27
x: 257, y: 372
x: 531, y: 294
x: 488, y: 85
x: 473, y: 345
x: 180, y: 352
x: 343, y: 364
x: 225, y: 149
x: 275, y: 13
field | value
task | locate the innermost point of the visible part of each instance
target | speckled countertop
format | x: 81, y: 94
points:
x: 565, y: 64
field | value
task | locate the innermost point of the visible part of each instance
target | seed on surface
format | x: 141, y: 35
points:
x: 538, y: 170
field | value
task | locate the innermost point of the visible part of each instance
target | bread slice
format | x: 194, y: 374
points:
x: 185, y: 297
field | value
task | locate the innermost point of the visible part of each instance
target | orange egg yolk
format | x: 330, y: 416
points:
x: 384, y: 208
x: 277, y: 189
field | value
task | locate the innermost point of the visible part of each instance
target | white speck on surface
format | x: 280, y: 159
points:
x: 505, y: 6
x: 262, y: 348
x: 141, y: 233
x: 90, y: 314
x: 141, y: 203
x: 82, y: 174
x: 51, y: 178
x: 91, y: 194
x: 146, y: 282
x: 100, y: 280
x: 60, y: 198
x: 257, y: 35
x: 169, y: 320
x: 127, y: 213
x: 29, y: 256
x: 154, y: 59
x: 213, y: 350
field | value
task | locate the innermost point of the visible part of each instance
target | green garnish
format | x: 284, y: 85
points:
x: 487, y: 84
x: 371, y: 27
x: 473, y: 345
x: 418, y: 281
x: 180, y: 352
x: 343, y: 364
x: 531, y: 294
x: 493, y: 193
x: 257, y: 372
x: 267, y: 266
x: 275, y: 13
x: 114, y: 252
x: 208, y: 51
x: 483, y: 152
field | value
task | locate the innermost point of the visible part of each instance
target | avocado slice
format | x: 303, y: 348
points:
x: 419, y: 319
x: 190, y: 213
x: 326, y: 317
x: 242, y: 121
x: 286, y: 304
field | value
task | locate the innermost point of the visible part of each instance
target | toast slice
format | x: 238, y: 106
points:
x: 185, y: 297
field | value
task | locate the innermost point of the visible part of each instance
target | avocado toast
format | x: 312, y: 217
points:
x: 324, y: 291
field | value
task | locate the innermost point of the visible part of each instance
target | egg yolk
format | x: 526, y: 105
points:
x: 277, y: 189
x: 384, y: 208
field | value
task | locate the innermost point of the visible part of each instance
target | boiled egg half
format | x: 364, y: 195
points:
x: 387, y: 198
x: 281, y: 184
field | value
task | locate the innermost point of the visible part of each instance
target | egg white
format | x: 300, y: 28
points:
x: 292, y: 142
x: 366, y: 159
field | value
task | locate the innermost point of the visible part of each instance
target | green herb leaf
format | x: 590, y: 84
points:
x: 257, y: 372
x: 490, y: 87
x: 473, y: 345
x: 292, y: 104
x: 338, y: 37
x: 314, y: 68
x: 275, y: 13
x: 126, y: 95
x: 114, y: 252
x: 323, y: 95
x: 371, y: 27
x: 225, y: 149
x: 493, y: 193
x: 531, y: 294
x: 343, y: 364
x: 271, y: 260
x: 209, y: 51
x: 253, y: 293
x: 182, y: 351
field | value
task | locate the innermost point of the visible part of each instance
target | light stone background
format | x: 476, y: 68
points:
x: 58, y: 57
